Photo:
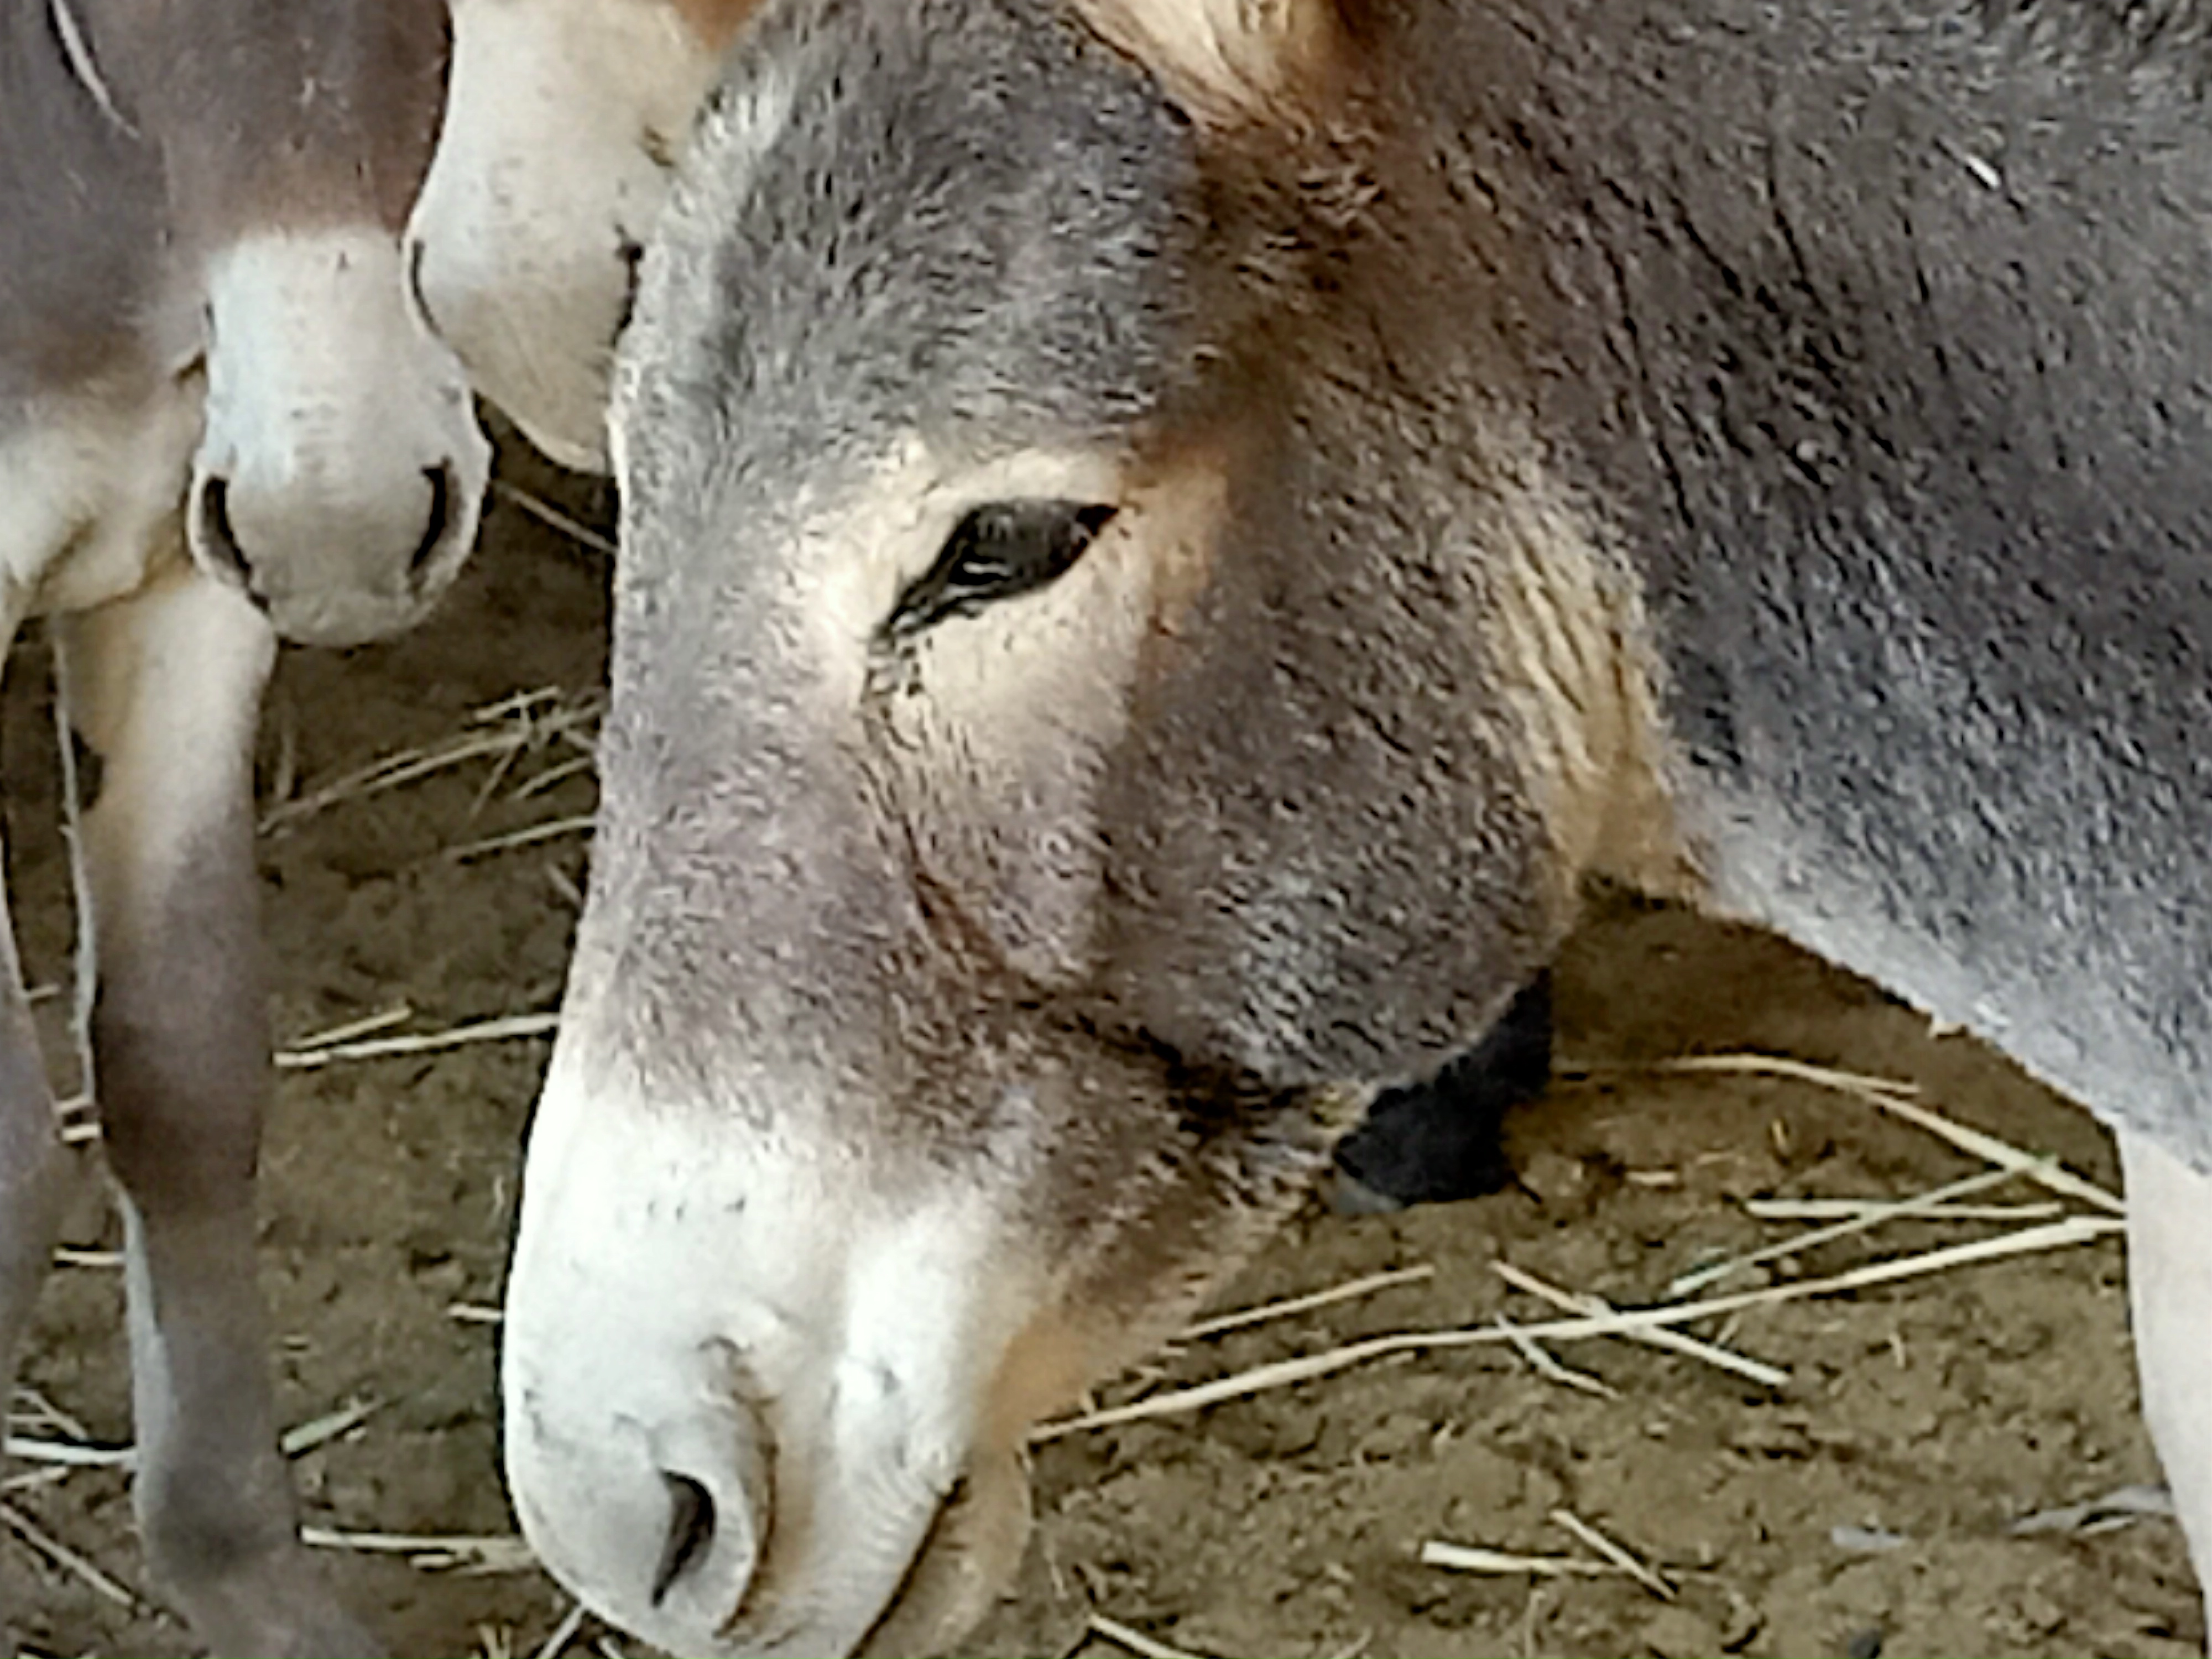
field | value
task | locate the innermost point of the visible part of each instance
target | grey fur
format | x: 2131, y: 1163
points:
x: 212, y: 119
x: 1845, y: 363
x: 1929, y: 561
x: 81, y: 241
x: 1942, y: 438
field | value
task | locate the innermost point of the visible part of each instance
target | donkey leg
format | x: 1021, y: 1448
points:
x: 1441, y: 1140
x: 2170, y: 1297
x: 30, y: 1166
x: 30, y: 1150
x: 162, y: 691
x: 30, y: 1160
x: 30, y: 1157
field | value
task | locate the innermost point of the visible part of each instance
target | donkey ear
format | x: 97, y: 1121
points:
x: 1229, y: 63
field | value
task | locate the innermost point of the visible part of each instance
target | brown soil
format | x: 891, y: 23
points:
x: 1939, y: 1408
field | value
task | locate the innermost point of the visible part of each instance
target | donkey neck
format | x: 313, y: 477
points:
x: 1882, y: 335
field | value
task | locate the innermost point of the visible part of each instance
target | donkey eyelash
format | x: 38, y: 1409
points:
x: 997, y: 550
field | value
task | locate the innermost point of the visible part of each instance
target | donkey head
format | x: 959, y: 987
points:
x: 1103, y: 683
x: 339, y: 474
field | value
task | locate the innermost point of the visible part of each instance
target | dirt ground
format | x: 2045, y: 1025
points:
x: 1926, y: 1415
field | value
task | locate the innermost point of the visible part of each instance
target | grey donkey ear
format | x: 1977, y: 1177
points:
x: 1230, y: 62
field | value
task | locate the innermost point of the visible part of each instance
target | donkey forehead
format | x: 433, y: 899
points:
x: 966, y: 221
x: 302, y: 110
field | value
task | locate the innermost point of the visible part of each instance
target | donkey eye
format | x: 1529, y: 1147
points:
x: 997, y: 550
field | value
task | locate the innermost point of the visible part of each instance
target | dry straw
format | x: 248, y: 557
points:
x: 1659, y: 1324
x: 499, y: 732
x: 503, y: 1027
x: 546, y: 513
x: 67, y: 1560
x: 495, y: 1553
x: 1135, y: 1640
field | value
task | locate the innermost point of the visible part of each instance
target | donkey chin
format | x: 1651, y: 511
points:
x: 340, y: 472
x: 750, y: 1409
x: 559, y: 140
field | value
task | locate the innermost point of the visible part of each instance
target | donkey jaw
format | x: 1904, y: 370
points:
x: 560, y: 135
x: 745, y: 1414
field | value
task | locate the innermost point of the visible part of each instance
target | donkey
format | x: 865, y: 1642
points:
x: 564, y: 123
x: 1164, y: 539
x: 222, y: 419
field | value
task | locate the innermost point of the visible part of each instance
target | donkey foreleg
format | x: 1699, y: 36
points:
x: 2170, y: 1301
x: 30, y: 1189
x: 30, y: 1150
x: 162, y: 692
x: 30, y: 1160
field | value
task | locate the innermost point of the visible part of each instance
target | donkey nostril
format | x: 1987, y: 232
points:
x: 631, y: 253
x: 690, y: 1531
x: 442, y: 514
x: 415, y: 284
x: 218, y: 542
